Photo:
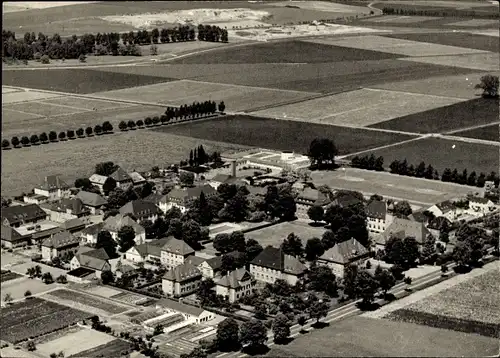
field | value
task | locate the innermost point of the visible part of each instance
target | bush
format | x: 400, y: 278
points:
x: 44, y: 138
x: 5, y: 144
x: 52, y: 136
x: 62, y: 136
x: 45, y: 59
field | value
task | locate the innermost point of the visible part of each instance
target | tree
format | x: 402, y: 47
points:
x: 365, y: 287
x: 70, y: 133
x: 197, y: 352
x: 222, y: 107
x: 34, y: 139
x: 153, y: 50
x: 402, y: 209
x: 186, y: 178
x: 205, y: 292
x: 429, y: 249
x: 253, y: 248
x: 236, y: 208
x: 105, y: 168
x: 462, y: 254
x: 117, y: 198
x: 25, y: 141
x: 302, y: 320
x: 489, y: 85
x: 126, y: 238
x: 89, y: 131
x: 252, y: 333
x: 281, y: 328
x: 15, y: 142
x: 62, y: 279
x: 385, y: 279
x: 8, y: 298
x: 316, y: 213
x: 314, y: 249
x: 30, y: 346
x: 328, y: 240
x: 292, y: 245
x: 107, y: 127
x: 322, y: 151
x: 317, y: 310
x: 349, y: 280
x: 122, y: 126
x: 227, y: 334
x: 158, y: 330
x: 27, y: 294
x: 5, y: 144
x: 106, y: 241
x: 402, y: 252
x: 47, y: 278
x: 322, y: 279
x: 37, y: 271
x: 407, y: 281
x: 62, y: 136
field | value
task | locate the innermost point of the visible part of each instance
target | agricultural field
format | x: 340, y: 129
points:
x: 486, y: 61
x: 282, y: 135
x: 8, y: 275
x: 103, y: 291
x: 22, y: 95
x: 129, y: 298
x: 113, y: 348
x: 36, y: 317
x: 274, y: 235
x: 488, y: 132
x: 458, y: 39
x: 366, y: 337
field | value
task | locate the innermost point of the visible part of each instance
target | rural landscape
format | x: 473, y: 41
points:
x: 222, y: 179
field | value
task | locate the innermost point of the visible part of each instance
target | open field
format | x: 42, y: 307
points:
x: 366, y: 337
x: 282, y: 135
x: 389, y: 185
x: 87, y: 300
x: 74, y: 159
x: 397, y: 19
x: 25, y: 96
x: 459, y: 39
x: 487, y: 61
x: 236, y: 98
x: 17, y: 288
x: 476, y: 23
x: 75, y: 80
x: 439, y: 153
x: 345, y: 108
x: 487, y: 132
x: 75, y: 342
x: 110, y: 349
x: 103, y: 291
x: 7, y: 276
x: 35, y: 317
x: 455, y: 116
x: 274, y: 235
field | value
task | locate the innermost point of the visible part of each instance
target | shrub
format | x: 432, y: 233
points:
x: 62, y: 279
x: 45, y: 59
x: 5, y: 144
x: 52, y: 136
x: 34, y: 139
x: 80, y: 132
x: 27, y: 294
x: 44, y: 138
x: 15, y: 141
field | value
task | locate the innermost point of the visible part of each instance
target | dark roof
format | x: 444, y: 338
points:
x: 440, y: 223
x: 345, y: 252
x: 120, y: 175
x: 445, y: 206
x: 91, y: 199
x: 53, y: 182
x: 313, y: 197
x: 418, y: 216
x: 93, y: 229
x: 408, y: 228
x: 115, y: 223
x: 186, y: 194
x: 140, y: 208
x: 94, y: 259
x: 74, y: 204
x: 46, y: 233
x: 178, y: 247
x: 276, y: 259
x: 73, y: 224
x: 194, y: 260
x: 60, y: 240
x: 180, y: 307
x: 19, y: 213
x: 216, y: 262
x: 182, y: 273
x: 81, y: 272
x: 154, y: 198
x: 376, y: 209
x: 137, y: 177
x: 152, y: 248
x: 233, y: 279
x: 10, y: 234
x: 346, y: 200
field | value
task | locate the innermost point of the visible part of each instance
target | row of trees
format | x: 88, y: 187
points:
x: 368, y: 162
x: 44, y: 138
x: 155, y: 36
x: 439, y: 13
x: 212, y: 33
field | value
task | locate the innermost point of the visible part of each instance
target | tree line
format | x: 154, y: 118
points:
x: 439, y: 13
x: 368, y: 162
x: 212, y: 33
x: 53, y: 136
x: 155, y: 36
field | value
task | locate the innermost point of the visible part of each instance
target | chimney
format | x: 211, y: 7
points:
x: 233, y: 168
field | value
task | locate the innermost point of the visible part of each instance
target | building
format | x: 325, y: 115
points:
x: 181, y: 280
x: 91, y: 259
x: 154, y: 198
x: 190, y: 313
x: 137, y: 179
x: 100, y: 181
x: 308, y: 198
x: 53, y: 187
x: 59, y: 245
x: 181, y: 197
x: 149, y: 251
x: 73, y: 225
x: 235, y: 284
x: 267, y: 159
x: 122, y: 179
x: 273, y: 264
x: 346, y: 199
x: 211, y: 267
x: 18, y: 215
x: 11, y: 238
x: 113, y: 224
x: 175, y: 252
x: 480, y: 206
x: 445, y: 208
x: 403, y: 228
x: 141, y: 210
x: 89, y: 234
x: 65, y: 209
x: 33, y: 198
x: 418, y: 216
x: 342, y: 254
x: 377, y: 218
x: 92, y: 201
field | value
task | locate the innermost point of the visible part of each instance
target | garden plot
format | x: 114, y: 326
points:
x: 116, y: 347
x: 102, y: 291
x: 25, y: 96
x: 17, y: 288
x: 345, y: 108
x: 75, y: 342
x: 487, y: 61
x: 9, y: 115
x: 129, y: 298
x: 396, y: 46
x: 393, y: 19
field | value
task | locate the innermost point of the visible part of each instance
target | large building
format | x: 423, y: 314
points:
x: 60, y: 244
x: 113, y: 224
x: 181, y: 197
x: 18, y: 215
x: 268, y: 159
x: 307, y: 198
x: 65, y: 209
x: 53, y: 188
x: 403, y: 228
x: 377, y: 217
x: 175, y: 252
x: 273, y: 264
x: 181, y: 280
x: 235, y: 284
x: 343, y: 254
x: 141, y: 210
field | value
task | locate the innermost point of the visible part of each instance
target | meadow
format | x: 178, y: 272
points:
x: 274, y: 235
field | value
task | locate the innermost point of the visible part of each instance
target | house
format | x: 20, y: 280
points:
x: 73, y: 225
x: 89, y: 234
x: 100, y: 181
x: 175, y: 252
x: 53, y: 187
x: 122, y: 179
x: 235, y: 284
x: 149, y: 251
x: 346, y: 199
x: 17, y: 215
x: 141, y: 210
x: 92, y: 201
x: 65, y: 209
x: 273, y: 264
x: 113, y: 224
x: 342, y: 254
x: 219, y: 179
x: 191, y: 313
x: 11, y: 238
x: 211, y: 267
x: 403, y: 228
x: 59, y: 244
x: 181, y: 280
x: 137, y: 179
x: 92, y: 259
x: 445, y: 208
x: 377, y: 218
x: 480, y: 206
x: 418, y: 216
x: 154, y: 198
x: 33, y: 198
x: 181, y: 198
x: 310, y: 197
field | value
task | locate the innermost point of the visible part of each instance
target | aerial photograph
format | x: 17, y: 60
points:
x: 250, y: 179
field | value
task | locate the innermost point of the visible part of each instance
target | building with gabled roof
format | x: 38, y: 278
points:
x: 480, y: 206
x: 235, y: 284
x: 346, y: 199
x: 377, y: 217
x: 309, y: 197
x: 181, y: 197
x: 113, y: 224
x: 59, y: 244
x: 92, y: 201
x: 154, y: 198
x: 181, y: 280
x: 174, y: 252
x: 73, y: 225
x: 89, y: 234
x: 445, y: 208
x: 11, y: 238
x: 273, y: 264
x: 141, y: 210
x: 191, y: 313
x: 92, y: 259
x: 137, y: 179
x: 65, y: 209
x: 122, y: 179
x: 149, y: 251
x: 211, y: 267
x: 17, y: 215
x: 403, y: 228
x: 342, y: 254
x: 53, y: 187
x: 102, y: 182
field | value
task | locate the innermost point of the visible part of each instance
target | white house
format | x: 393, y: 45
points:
x: 211, y: 267
x: 149, y: 251
x: 91, y: 259
x: 310, y: 197
x: 191, y: 313
x: 59, y: 244
x: 480, y: 206
x: 141, y: 210
x: 175, y: 252
x: 273, y: 264
x: 235, y: 285
x: 446, y: 209
x: 89, y: 234
x: 377, y: 217
x: 53, y: 187
x: 181, y: 197
x: 65, y: 209
x: 182, y: 280
x: 98, y: 181
x: 113, y: 224
x: 342, y: 254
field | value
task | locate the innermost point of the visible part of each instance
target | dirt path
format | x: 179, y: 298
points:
x: 470, y: 128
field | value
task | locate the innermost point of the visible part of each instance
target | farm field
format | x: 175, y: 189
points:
x: 274, y: 235
x: 112, y: 348
x: 132, y: 150
x: 76, y: 342
x: 460, y: 115
x: 487, y: 61
x: 397, y: 19
x: 25, y: 96
x: 18, y: 287
x: 491, y: 132
x: 7, y: 276
x: 458, y: 39
x: 35, y: 317
x: 476, y: 23
x: 80, y: 81
x: 345, y: 108
x: 103, y: 291
x: 128, y: 298
x: 366, y: 337
x: 282, y: 135
x: 439, y: 153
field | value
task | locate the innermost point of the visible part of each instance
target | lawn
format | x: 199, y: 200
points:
x: 36, y: 317
x: 88, y: 300
x: 110, y: 349
x: 274, y: 235
x: 18, y: 287
x: 80, y: 81
x: 460, y: 115
x: 487, y: 132
x: 282, y: 135
x: 366, y: 337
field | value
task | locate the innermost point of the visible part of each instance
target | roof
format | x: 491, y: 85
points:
x: 80, y: 272
x: 94, y: 259
x: 180, y: 307
x: 187, y: 194
x: 445, y: 206
x: 439, y: 223
x: 276, y: 259
x: 140, y: 208
x: 120, y: 175
x: 73, y: 224
x: 91, y: 199
x: 346, y: 200
x: 53, y: 182
x: 136, y: 177
x: 216, y: 262
x: 408, y: 228
x: 221, y: 178
x: 60, y: 240
x: 115, y: 223
x: 98, y: 179
x: 183, y: 272
x: 93, y: 229
x: 479, y: 200
x: 46, y: 233
x: 345, y: 252
x: 233, y: 278
x: 10, y: 234
x: 177, y: 246
x: 154, y: 198
x: 418, y: 216
x: 152, y: 248
x: 314, y: 197
x: 376, y: 209
x: 195, y: 260
x: 74, y: 204
x: 19, y: 213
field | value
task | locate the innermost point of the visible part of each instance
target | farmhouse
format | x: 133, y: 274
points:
x: 175, y: 252
x: 190, y: 313
x: 91, y: 259
x: 53, y: 187
x: 60, y: 244
x: 181, y: 280
x: 141, y: 210
x: 18, y: 215
x: 149, y: 251
x: 273, y: 264
x: 113, y: 224
x: 65, y: 209
x: 445, y: 208
x: 122, y: 179
x: 403, y: 228
x: 235, y: 285
x: 377, y: 218
x: 181, y: 198
x: 308, y: 198
x: 480, y: 206
x: 11, y: 238
x: 92, y: 201
x: 343, y: 254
